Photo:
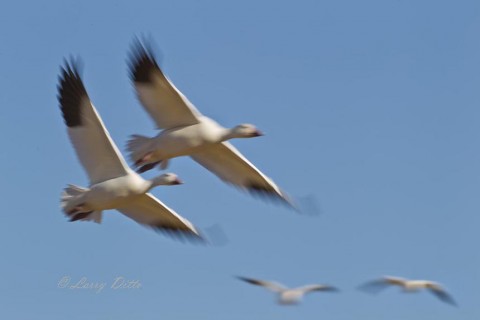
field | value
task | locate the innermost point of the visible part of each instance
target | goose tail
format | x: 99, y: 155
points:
x: 137, y: 147
x: 70, y: 193
x: 71, y: 197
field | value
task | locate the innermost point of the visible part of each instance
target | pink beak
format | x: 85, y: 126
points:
x: 258, y: 133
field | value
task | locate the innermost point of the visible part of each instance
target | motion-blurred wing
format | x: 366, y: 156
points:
x: 225, y: 161
x: 273, y: 286
x: 374, y: 286
x: 98, y: 154
x: 316, y: 287
x: 394, y: 280
x: 151, y: 212
x: 167, y: 106
x: 443, y: 295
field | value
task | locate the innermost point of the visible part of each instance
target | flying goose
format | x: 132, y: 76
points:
x: 186, y: 132
x: 288, y: 295
x: 113, y: 185
x: 407, y: 285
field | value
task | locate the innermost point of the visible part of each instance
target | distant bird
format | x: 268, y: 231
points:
x: 113, y: 185
x: 288, y: 296
x: 407, y: 285
x: 186, y: 132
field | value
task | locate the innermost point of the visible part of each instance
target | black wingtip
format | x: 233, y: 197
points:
x: 333, y: 289
x: 245, y: 279
x: 248, y: 280
x: 445, y: 297
x: 269, y: 193
x: 183, y: 235
x: 71, y: 91
x: 142, y: 63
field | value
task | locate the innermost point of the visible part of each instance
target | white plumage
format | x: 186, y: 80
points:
x: 113, y: 185
x: 407, y: 285
x: 286, y: 295
x: 186, y: 132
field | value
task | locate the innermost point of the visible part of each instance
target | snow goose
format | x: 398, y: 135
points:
x: 288, y: 295
x: 407, y: 285
x: 113, y: 185
x: 186, y: 132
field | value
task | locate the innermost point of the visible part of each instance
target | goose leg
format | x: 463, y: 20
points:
x: 144, y: 159
x: 147, y: 167
x: 80, y: 216
x: 76, y: 209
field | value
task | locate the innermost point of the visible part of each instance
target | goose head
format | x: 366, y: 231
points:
x: 245, y: 131
x: 166, y: 179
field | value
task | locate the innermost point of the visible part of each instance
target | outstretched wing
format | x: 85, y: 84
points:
x: 273, y: 286
x: 394, y: 280
x: 167, y: 106
x: 149, y: 211
x: 442, y: 295
x: 225, y: 161
x: 374, y: 286
x: 316, y: 287
x: 95, y: 149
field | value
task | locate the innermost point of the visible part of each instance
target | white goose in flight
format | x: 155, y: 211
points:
x: 407, y: 285
x: 285, y: 295
x: 186, y: 132
x: 113, y: 185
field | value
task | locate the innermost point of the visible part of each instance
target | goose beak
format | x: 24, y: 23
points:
x: 258, y: 133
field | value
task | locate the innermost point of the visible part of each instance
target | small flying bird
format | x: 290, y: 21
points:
x: 407, y: 285
x: 187, y: 132
x: 288, y: 296
x: 113, y: 185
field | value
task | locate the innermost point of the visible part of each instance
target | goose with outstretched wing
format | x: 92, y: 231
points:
x: 186, y: 132
x: 113, y: 185
x: 408, y: 285
x: 288, y: 296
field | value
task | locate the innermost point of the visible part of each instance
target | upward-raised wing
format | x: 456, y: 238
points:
x: 273, y: 286
x: 168, y: 107
x: 151, y: 212
x: 225, y: 161
x: 98, y: 154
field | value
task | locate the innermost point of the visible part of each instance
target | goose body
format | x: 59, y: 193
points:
x: 417, y: 285
x: 186, y: 132
x: 182, y: 141
x: 114, y: 193
x: 113, y: 185
x: 290, y: 296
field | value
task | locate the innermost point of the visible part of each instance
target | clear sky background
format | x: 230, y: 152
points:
x: 371, y: 107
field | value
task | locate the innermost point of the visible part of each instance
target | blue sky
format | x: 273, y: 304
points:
x: 371, y: 107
